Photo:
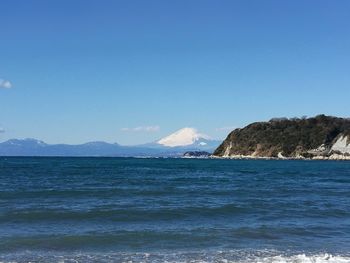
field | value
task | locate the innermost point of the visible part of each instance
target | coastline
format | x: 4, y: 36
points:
x: 333, y: 157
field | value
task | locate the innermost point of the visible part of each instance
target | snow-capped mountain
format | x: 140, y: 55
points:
x: 188, y: 138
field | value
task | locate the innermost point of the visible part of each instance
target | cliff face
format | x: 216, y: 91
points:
x: 321, y: 136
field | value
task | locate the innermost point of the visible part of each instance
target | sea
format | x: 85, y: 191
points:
x: 173, y: 210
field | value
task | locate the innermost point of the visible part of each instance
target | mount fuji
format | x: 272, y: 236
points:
x: 188, y: 138
x: 183, y: 140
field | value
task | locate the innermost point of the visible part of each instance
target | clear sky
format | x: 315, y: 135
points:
x: 133, y: 71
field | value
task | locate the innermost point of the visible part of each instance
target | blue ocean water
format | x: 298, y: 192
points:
x: 174, y: 210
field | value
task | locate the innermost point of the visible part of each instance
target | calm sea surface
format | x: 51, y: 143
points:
x: 173, y: 210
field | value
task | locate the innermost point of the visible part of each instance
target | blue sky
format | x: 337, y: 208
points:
x: 133, y: 71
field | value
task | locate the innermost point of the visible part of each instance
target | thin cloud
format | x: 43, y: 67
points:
x: 142, y: 129
x: 5, y: 84
x: 2, y: 130
x: 227, y: 128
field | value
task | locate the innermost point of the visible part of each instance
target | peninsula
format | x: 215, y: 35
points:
x: 320, y: 137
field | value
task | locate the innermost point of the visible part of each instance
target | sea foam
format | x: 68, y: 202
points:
x: 181, y: 257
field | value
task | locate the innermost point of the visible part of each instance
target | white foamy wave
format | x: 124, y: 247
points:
x: 188, y: 257
x: 303, y: 259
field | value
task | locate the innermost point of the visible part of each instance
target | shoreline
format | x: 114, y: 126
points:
x: 234, y: 157
x: 334, y: 157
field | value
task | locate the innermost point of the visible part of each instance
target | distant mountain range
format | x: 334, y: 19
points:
x: 176, y: 144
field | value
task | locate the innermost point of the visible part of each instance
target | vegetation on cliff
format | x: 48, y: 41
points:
x: 288, y: 137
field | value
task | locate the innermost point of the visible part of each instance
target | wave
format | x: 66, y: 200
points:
x: 180, y: 257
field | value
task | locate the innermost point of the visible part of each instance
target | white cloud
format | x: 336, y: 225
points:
x: 142, y: 129
x: 2, y: 130
x: 5, y: 84
x: 227, y: 128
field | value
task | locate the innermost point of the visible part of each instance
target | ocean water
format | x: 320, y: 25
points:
x: 173, y: 210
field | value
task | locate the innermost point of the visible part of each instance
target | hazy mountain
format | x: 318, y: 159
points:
x: 175, y: 144
x: 32, y: 147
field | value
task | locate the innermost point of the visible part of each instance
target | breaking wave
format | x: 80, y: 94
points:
x: 182, y: 257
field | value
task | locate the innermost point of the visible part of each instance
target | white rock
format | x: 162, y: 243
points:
x: 341, y: 145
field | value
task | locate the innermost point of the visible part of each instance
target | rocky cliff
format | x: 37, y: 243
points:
x: 318, y: 137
